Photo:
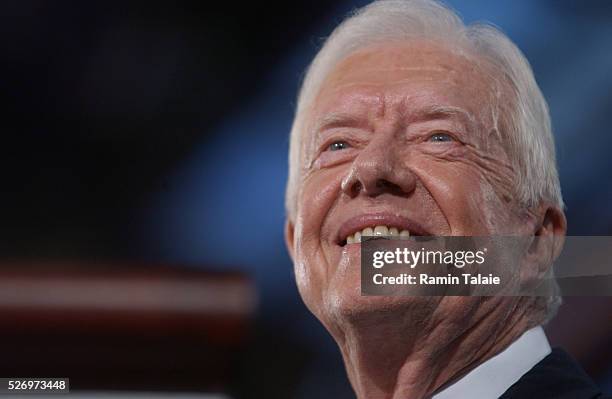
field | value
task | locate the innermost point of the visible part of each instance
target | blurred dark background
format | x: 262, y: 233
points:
x: 156, y: 133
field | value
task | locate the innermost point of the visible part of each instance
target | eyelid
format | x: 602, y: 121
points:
x: 329, y: 147
x: 327, y: 142
x: 444, y: 132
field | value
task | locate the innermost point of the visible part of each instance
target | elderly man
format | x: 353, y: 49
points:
x: 410, y: 123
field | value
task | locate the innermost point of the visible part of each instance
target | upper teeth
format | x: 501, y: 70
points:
x: 377, y: 231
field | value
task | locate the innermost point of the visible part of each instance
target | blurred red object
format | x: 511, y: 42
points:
x: 124, y: 326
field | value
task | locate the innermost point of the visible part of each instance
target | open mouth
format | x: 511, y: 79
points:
x: 376, y: 231
x: 382, y: 226
x: 383, y: 232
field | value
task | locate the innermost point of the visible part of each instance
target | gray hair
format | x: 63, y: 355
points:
x: 527, y: 121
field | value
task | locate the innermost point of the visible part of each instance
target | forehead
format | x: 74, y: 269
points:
x: 405, y: 77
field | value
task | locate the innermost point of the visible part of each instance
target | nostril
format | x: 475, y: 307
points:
x: 382, y: 183
x: 355, y: 189
x: 373, y: 182
x: 385, y: 186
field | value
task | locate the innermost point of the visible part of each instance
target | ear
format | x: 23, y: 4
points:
x: 289, y: 230
x: 553, y: 225
x: 549, y: 236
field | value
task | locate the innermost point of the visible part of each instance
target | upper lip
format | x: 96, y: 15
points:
x: 360, y: 222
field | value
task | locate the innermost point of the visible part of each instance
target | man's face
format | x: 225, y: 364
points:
x: 407, y: 137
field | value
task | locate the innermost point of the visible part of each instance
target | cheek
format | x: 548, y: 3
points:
x: 473, y: 197
x: 317, y: 196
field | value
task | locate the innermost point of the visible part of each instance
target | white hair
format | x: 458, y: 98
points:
x: 527, y: 127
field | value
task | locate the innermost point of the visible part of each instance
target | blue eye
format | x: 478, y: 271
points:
x: 440, y: 137
x: 338, y: 145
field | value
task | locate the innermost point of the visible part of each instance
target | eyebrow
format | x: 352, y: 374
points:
x: 444, y: 112
x: 339, y: 119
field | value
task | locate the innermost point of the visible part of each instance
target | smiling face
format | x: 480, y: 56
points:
x: 401, y: 139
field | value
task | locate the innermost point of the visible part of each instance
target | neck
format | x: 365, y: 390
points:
x: 391, y: 357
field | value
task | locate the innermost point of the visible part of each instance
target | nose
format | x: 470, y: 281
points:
x: 377, y: 170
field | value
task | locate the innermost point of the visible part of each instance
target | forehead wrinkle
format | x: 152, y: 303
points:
x: 384, y: 85
x: 338, y: 119
x: 349, y: 109
x: 410, y: 110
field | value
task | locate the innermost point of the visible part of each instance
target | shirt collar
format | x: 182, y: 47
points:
x: 492, y: 378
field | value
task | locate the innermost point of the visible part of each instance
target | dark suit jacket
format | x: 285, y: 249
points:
x: 557, y: 376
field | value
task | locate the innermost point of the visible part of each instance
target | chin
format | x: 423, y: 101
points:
x: 345, y: 304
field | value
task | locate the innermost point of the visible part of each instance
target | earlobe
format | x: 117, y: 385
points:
x: 289, y: 230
